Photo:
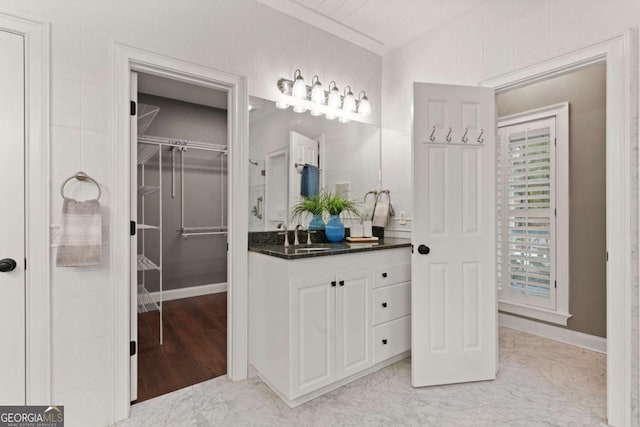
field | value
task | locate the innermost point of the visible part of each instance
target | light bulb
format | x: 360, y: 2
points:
x: 316, y: 113
x: 282, y: 105
x: 349, y: 101
x: 299, y: 89
x: 299, y: 109
x: 364, y: 107
x: 330, y: 117
x: 343, y: 120
x: 317, y: 91
x: 334, y: 100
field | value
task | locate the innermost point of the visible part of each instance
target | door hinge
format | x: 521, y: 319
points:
x: 132, y: 228
x: 25, y: 263
x: 227, y: 246
x: 607, y: 256
x: 555, y: 212
x: 133, y: 108
x: 132, y: 348
x: 412, y: 248
x: 555, y: 284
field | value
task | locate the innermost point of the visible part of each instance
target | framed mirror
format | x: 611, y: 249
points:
x: 282, y: 142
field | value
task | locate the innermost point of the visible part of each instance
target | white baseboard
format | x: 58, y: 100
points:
x: 191, y: 291
x: 567, y: 336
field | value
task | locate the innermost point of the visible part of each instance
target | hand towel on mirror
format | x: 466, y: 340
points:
x: 310, y: 181
x: 81, y: 234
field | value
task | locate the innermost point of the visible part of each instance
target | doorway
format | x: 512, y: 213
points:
x: 179, y: 175
x: 128, y: 59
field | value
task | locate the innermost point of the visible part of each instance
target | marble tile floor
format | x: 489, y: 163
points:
x: 540, y: 383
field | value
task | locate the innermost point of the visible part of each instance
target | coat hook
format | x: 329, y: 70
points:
x: 432, y: 137
x: 464, y: 137
x: 448, y: 138
x: 480, y: 139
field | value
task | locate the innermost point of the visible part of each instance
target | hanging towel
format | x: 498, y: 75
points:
x: 81, y: 234
x: 383, y: 211
x: 310, y: 181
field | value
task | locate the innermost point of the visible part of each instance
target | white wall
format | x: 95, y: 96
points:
x: 240, y: 36
x: 493, y: 38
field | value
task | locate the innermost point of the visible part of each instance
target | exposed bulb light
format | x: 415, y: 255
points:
x: 299, y: 109
x: 317, y: 91
x: 315, y: 113
x: 282, y: 105
x: 299, y: 89
x: 349, y: 101
x: 330, y: 117
x: 344, y: 120
x: 334, y: 100
x: 364, y: 107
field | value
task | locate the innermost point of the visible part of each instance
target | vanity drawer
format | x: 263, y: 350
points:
x: 391, y: 339
x: 391, y: 302
x: 392, y: 274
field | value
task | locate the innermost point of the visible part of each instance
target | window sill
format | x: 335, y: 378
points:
x: 534, y: 312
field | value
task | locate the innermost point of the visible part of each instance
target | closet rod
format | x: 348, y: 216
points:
x: 146, y: 139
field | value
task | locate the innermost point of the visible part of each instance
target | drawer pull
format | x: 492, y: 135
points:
x: 384, y: 275
x: 333, y: 283
x: 384, y: 305
x: 341, y: 282
x: 384, y: 341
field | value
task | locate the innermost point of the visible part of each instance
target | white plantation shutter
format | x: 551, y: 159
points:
x: 526, y: 213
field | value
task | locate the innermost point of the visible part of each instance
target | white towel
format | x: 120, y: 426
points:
x: 381, y: 213
x: 81, y: 234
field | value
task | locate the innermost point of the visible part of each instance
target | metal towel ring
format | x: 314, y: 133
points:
x: 80, y: 176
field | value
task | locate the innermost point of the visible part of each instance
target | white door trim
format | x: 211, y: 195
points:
x: 621, y: 56
x: 38, y: 296
x: 129, y: 59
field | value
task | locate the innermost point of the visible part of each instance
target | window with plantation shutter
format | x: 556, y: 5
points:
x: 526, y: 213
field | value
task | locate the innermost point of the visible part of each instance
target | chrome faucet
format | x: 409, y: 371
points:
x: 295, y: 234
x: 286, y: 234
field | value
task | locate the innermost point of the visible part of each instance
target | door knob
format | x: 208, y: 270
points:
x: 423, y: 250
x: 7, y: 265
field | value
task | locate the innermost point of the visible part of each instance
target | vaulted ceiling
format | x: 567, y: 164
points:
x: 377, y: 25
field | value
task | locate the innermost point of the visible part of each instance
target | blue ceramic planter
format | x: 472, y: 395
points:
x: 316, y: 223
x: 334, y: 230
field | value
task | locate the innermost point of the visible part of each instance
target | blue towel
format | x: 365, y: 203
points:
x: 310, y: 184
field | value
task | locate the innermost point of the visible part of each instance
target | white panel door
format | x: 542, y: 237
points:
x: 314, y: 330
x: 133, y: 263
x: 453, y: 290
x: 12, y: 236
x: 302, y: 150
x: 353, y: 323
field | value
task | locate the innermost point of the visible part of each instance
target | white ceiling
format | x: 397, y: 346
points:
x: 377, y: 25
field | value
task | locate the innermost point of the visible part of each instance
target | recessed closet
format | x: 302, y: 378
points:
x: 180, y: 266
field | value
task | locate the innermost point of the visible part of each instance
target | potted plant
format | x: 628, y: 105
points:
x: 335, y: 204
x: 314, y: 206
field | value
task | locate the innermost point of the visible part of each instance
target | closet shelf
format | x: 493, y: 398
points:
x: 146, y: 302
x: 146, y: 152
x: 145, y: 263
x: 145, y: 190
x: 147, y: 227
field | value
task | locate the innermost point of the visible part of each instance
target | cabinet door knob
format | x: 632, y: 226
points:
x: 384, y: 341
x: 384, y: 274
x: 333, y: 283
x: 341, y: 282
x: 384, y: 305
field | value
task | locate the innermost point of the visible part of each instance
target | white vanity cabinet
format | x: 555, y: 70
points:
x: 314, y: 321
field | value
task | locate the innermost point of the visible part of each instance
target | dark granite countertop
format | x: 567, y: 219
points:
x: 301, y: 251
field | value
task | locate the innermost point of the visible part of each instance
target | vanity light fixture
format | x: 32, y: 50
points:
x: 349, y: 101
x: 364, y: 107
x: 330, y: 103
x: 317, y: 95
x: 299, y: 89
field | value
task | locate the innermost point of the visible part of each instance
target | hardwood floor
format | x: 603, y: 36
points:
x: 194, y: 349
